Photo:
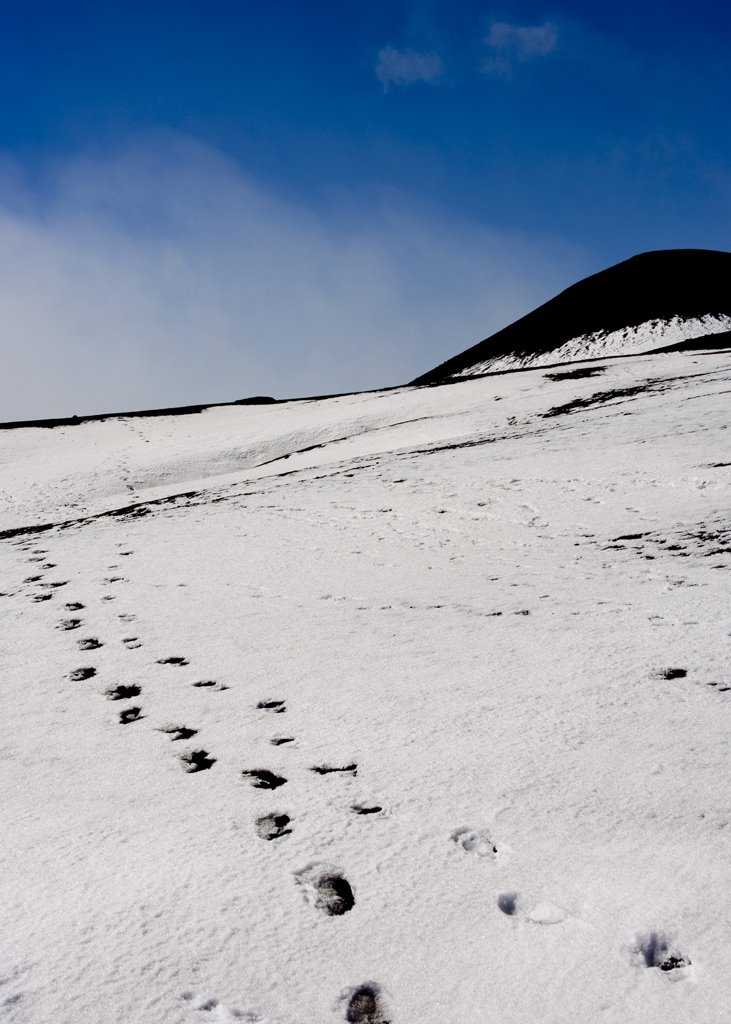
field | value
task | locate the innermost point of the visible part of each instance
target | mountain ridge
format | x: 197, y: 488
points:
x: 630, y: 307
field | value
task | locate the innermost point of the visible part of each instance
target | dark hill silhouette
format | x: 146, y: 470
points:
x: 684, y: 283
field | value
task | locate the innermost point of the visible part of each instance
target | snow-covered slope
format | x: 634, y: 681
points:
x: 627, y: 341
x: 405, y: 707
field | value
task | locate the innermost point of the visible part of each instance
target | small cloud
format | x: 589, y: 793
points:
x: 515, y: 44
x: 404, y: 67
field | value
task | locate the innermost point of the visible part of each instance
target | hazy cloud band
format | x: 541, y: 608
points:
x: 163, y: 274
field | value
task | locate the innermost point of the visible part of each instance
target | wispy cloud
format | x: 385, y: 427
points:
x: 164, y: 274
x: 510, y: 44
x: 404, y: 67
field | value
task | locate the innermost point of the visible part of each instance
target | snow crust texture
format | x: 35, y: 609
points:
x: 400, y: 708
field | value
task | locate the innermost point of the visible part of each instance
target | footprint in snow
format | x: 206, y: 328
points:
x: 366, y: 809
x: 208, y: 1004
x: 674, y: 673
x: 123, y: 692
x: 655, y: 949
x: 32, y: 579
x: 280, y: 741
x: 42, y: 597
x: 127, y: 617
x: 327, y: 889
x: 69, y: 624
x: 547, y: 913
x: 132, y: 643
x: 179, y: 732
x: 76, y: 675
x: 74, y: 606
x: 261, y: 778
x: 197, y: 761
x: 130, y: 715
x: 335, y: 769
x: 276, y: 707
x: 210, y: 684
x: 273, y: 826
x: 544, y: 913
x: 475, y: 841
x: 89, y: 644
x: 174, y: 660
x: 366, y: 1004
x: 508, y: 903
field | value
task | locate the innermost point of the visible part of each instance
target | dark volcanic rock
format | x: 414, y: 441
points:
x: 686, y: 283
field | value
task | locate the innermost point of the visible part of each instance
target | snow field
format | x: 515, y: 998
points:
x: 503, y: 626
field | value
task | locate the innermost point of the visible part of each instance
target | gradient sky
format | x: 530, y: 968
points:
x: 200, y: 201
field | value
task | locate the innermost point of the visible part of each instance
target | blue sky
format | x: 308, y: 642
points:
x: 199, y: 200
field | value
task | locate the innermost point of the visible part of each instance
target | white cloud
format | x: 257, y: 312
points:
x: 404, y: 67
x: 163, y: 274
x: 512, y: 44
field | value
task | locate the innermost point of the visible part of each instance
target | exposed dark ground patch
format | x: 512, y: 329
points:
x: 710, y: 539
x: 181, y: 410
x: 126, y: 512
x: 577, y: 374
x: 600, y: 398
x: 262, y: 778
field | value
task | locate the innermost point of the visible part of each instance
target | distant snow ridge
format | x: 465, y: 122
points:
x: 627, y: 341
